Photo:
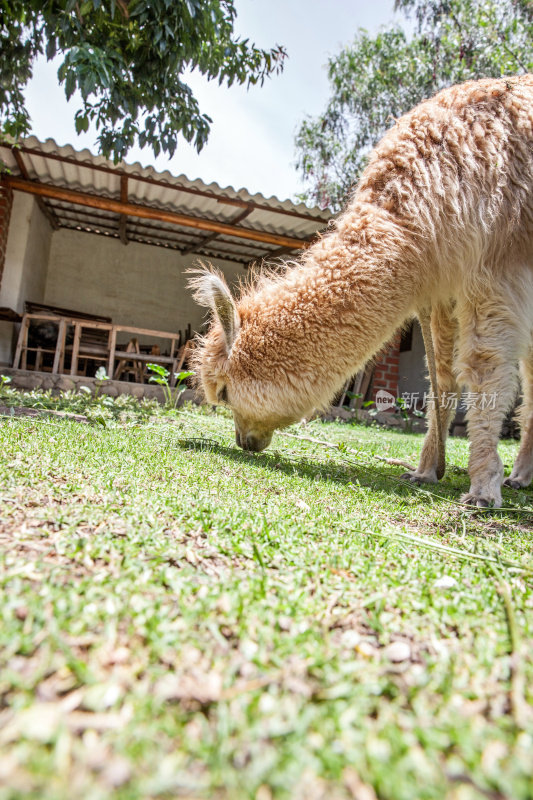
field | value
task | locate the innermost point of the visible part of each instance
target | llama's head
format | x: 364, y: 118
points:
x: 241, y: 364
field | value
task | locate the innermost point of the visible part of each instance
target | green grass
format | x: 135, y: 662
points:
x: 181, y: 619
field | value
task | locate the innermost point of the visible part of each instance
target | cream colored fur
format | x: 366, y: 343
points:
x: 442, y: 217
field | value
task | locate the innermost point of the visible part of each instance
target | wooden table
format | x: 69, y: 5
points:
x: 108, y: 353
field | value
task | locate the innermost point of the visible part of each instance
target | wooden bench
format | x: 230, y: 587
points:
x: 174, y: 363
x: 63, y: 318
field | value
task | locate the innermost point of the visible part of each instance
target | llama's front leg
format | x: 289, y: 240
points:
x: 523, y: 466
x: 443, y: 332
x: 488, y: 345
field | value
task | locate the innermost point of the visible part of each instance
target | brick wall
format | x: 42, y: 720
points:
x: 6, y: 201
x: 386, y: 370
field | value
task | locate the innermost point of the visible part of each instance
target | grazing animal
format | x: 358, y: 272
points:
x: 441, y: 220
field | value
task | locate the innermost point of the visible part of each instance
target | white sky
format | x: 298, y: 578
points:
x: 252, y: 135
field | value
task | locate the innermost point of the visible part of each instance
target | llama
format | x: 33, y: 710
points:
x: 441, y: 222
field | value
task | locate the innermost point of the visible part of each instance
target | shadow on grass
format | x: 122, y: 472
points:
x: 349, y: 473
x: 368, y: 476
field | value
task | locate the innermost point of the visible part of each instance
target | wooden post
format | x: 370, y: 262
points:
x: 22, y: 341
x: 38, y: 359
x: 173, y: 365
x: 60, y: 347
x: 112, y: 344
x: 138, y: 365
x: 75, y: 349
x: 183, y: 353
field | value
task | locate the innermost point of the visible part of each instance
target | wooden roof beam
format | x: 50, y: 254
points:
x: 147, y: 212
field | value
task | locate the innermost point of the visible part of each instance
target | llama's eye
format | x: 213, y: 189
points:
x: 222, y: 395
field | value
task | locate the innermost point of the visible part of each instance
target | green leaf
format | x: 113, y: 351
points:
x: 182, y: 376
x: 70, y: 84
x: 81, y: 123
x: 159, y: 370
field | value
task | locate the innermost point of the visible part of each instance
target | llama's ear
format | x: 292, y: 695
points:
x: 211, y: 290
x: 225, y: 309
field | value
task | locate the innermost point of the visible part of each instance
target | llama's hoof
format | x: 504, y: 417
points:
x: 418, y: 478
x: 410, y: 476
x: 511, y: 483
x: 480, y: 502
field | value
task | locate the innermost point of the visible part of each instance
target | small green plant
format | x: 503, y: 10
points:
x: 403, y: 408
x: 352, y: 403
x: 99, y: 379
x: 352, y: 396
x: 161, y: 377
x: 4, y: 381
x: 370, y: 406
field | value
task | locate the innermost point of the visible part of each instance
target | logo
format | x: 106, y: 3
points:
x: 384, y: 400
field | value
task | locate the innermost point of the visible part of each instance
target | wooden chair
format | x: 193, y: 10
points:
x: 25, y: 345
x: 173, y: 362
x: 130, y: 366
x: 90, y: 344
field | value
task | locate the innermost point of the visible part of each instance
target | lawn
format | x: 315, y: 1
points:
x: 185, y: 620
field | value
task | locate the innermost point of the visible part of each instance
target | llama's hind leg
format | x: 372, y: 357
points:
x: 523, y: 465
x: 443, y: 332
x: 489, y: 340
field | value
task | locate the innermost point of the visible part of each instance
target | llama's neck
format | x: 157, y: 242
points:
x: 357, y: 282
x: 330, y: 314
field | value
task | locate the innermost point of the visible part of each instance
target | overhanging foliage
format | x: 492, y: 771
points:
x: 129, y: 61
x: 378, y: 78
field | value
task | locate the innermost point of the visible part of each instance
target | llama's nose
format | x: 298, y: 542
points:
x: 249, y: 442
x: 254, y: 442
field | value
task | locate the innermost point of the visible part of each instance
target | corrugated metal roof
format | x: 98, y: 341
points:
x: 63, y: 167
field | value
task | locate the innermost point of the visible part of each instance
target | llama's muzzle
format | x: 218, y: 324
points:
x: 251, y: 441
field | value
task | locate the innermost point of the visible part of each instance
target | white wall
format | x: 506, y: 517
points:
x: 26, y: 263
x: 134, y: 284
x: 412, y: 370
